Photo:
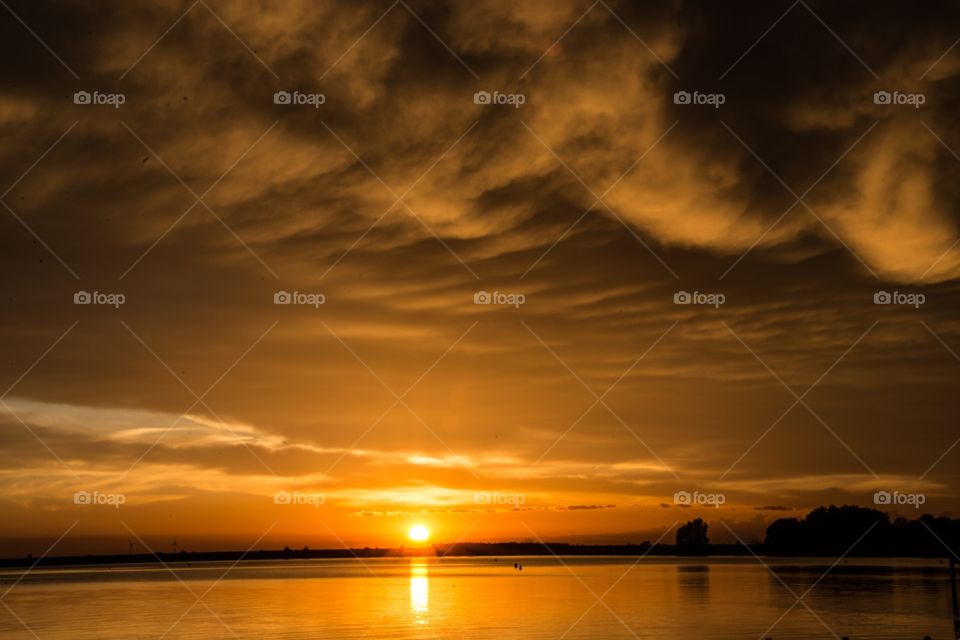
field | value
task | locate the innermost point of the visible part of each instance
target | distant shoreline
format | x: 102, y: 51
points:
x: 439, y: 550
x: 508, y: 549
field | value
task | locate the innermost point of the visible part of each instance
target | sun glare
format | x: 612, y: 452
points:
x: 418, y: 533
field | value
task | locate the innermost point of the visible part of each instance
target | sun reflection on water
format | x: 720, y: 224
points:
x: 419, y: 590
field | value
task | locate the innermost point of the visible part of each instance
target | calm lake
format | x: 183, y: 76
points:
x: 483, y: 598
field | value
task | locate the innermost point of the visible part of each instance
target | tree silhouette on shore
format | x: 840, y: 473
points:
x: 692, y: 537
x: 833, y: 531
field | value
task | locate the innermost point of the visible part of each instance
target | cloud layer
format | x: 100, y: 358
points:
x: 400, y: 197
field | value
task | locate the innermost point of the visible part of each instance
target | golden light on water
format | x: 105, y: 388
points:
x: 419, y: 588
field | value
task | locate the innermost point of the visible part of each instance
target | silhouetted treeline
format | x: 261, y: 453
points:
x: 858, y: 531
x: 568, y: 549
x: 826, y: 531
x: 539, y: 549
x: 478, y: 549
x: 206, y: 556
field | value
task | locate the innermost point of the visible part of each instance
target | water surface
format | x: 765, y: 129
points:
x: 655, y: 598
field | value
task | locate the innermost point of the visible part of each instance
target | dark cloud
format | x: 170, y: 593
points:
x: 588, y: 507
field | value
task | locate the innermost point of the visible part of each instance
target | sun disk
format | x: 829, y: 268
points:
x: 418, y: 533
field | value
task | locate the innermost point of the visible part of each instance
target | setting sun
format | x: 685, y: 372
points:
x: 418, y: 533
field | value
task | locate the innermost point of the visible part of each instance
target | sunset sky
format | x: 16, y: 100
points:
x: 399, y: 198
